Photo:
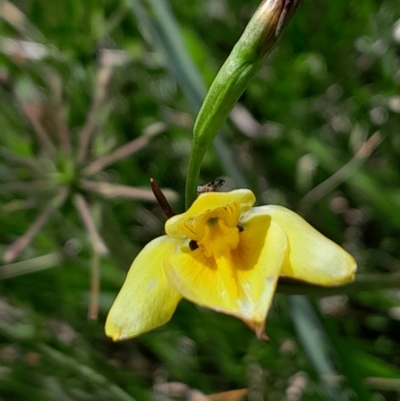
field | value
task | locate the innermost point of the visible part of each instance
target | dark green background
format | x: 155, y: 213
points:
x: 332, y: 82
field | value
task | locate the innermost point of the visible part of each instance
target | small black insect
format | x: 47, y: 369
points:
x: 193, y: 245
x: 211, y: 186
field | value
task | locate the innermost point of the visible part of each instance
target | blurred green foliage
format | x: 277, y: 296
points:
x: 316, y: 130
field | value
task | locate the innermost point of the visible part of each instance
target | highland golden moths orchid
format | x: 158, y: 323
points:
x: 226, y: 255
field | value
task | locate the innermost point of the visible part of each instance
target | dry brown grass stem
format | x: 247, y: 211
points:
x: 32, y: 113
x: 94, y: 237
x: 15, y: 249
x: 93, y: 310
x: 125, y: 150
x: 113, y: 191
x: 342, y: 174
x: 92, y: 119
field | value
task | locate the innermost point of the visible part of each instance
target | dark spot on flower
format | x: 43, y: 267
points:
x: 193, y: 245
x: 240, y: 228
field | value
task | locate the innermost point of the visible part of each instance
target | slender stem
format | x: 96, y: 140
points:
x: 10, y: 13
x: 19, y: 204
x: 86, y: 372
x: 342, y: 174
x: 30, y: 266
x: 123, y: 151
x: 93, y: 116
x: 12, y: 158
x: 193, y: 174
x: 24, y: 187
x: 161, y: 199
x: 114, y: 191
x: 258, y: 39
x: 315, y: 342
x: 378, y: 383
x: 94, y: 287
x: 21, y: 243
x: 32, y: 112
x: 61, y: 128
x: 383, y: 383
x: 83, y: 210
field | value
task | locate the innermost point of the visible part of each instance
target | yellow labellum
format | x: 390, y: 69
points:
x: 224, y: 255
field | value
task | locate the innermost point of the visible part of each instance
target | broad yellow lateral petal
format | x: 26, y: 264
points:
x: 311, y: 256
x: 240, y: 283
x: 146, y: 299
x: 261, y: 254
x: 207, y: 202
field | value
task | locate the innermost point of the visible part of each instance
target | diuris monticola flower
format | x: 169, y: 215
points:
x: 226, y: 255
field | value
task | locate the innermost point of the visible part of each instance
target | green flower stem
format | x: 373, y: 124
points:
x: 245, y: 60
x: 224, y: 92
x: 193, y: 173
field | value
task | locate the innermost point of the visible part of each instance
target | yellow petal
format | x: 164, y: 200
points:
x: 240, y: 283
x: 207, y: 202
x: 146, y: 299
x: 311, y: 256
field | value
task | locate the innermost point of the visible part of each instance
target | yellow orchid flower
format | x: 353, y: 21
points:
x: 226, y: 255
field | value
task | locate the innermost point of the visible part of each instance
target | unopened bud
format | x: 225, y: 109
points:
x: 259, y: 37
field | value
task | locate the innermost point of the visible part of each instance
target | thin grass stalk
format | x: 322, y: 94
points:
x: 21, y: 243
